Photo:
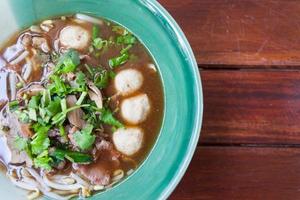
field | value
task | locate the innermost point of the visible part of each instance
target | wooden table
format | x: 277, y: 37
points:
x: 248, y: 53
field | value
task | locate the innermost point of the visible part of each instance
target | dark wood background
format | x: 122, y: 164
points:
x: 248, y: 52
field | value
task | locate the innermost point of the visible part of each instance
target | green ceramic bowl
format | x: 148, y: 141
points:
x: 157, y: 177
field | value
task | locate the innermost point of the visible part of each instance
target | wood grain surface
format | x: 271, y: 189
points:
x: 240, y: 32
x: 234, y: 173
x: 251, y: 107
x: 248, y: 52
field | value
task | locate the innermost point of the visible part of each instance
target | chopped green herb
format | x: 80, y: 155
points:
x: 68, y: 62
x: 62, y: 131
x: 46, y: 98
x: 83, y: 138
x: 89, y: 69
x: 61, y: 117
x: 98, y: 43
x: 108, y: 118
x: 72, y: 156
x: 101, y: 79
x: 23, y: 116
x: 58, y: 86
x: 81, y: 98
x: 81, y: 81
x: 119, y: 30
x: 32, y: 114
x: 20, y: 143
x: 34, y: 102
x: 43, y: 161
x: 13, y: 105
x: 41, y: 141
x: 120, y: 60
x: 95, y: 32
x: 126, y: 39
x: 125, y: 50
x: 54, y: 107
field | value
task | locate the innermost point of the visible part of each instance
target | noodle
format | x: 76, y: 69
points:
x: 20, y: 58
x: 60, y: 186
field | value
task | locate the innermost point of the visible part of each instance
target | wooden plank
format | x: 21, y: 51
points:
x: 234, y: 32
x: 251, y: 107
x: 241, y: 173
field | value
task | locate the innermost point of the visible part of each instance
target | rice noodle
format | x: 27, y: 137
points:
x: 12, y: 85
x: 129, y: 172
x: 35, y: 29
x: 33, y: 195
x: 98, y: 187
x: 38, y: 178
x: 152, y: 67
x: 27, y: 71
x: 118, y: 175
x: 64, y: 192
x: 88, y: 19
x: 58, y: 197
x: 23, y: 185
x: 79, y: 180
x: 20, y: 58
x: 47, y: 25
x: 60, y: 186
x: 63, y: 179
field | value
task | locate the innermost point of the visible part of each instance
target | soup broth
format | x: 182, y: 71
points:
x: 81, y: 106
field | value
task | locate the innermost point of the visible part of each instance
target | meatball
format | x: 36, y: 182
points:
x: 135, y: 109
x: 128, y: 141
x: 128, y: 81
x: 74, y: 37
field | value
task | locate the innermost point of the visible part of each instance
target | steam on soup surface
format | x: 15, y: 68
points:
x: 81, y: 106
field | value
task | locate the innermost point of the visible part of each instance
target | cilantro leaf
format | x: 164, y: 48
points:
x: 34, y: 102
x: 23, y: 116
x: 43, y: 161
x: 13, y: 105
x: 75, y: 157
x: 54, y: 107
x: 41, y: 141
x: 81, y: 81
x: 20, y: 143
x: 83, y: 138
x: 32, y: 114
x: 108, y: 118
x: 68, y: 62
x: 102, y: 79
x: 58, y: 86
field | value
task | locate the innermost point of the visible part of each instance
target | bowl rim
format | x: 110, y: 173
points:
x: 180, y: 36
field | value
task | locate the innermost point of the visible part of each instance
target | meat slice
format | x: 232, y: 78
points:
x: 8, y: 152
x: 26, y: 131
x: 75, y: 116
x: 99, y: 173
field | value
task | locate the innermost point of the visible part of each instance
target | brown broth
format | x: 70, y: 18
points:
x: 152, y: 85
